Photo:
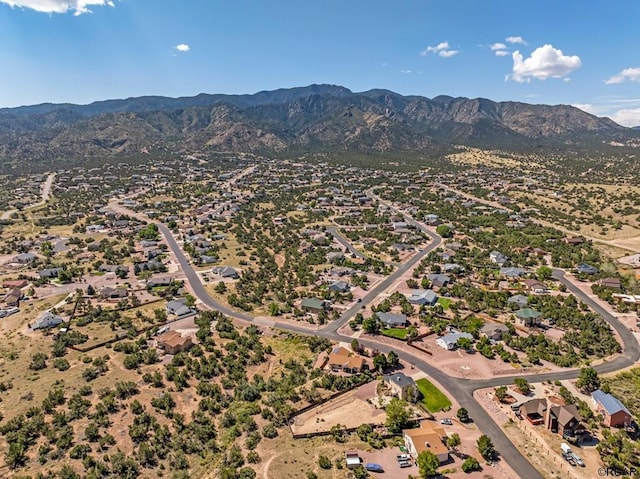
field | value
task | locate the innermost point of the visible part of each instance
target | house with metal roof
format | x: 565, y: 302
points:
x: 528, y: 317
x: 614, y: 412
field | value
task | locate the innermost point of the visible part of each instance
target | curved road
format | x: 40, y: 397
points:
x: 461, y: 389
x: 44, y: 195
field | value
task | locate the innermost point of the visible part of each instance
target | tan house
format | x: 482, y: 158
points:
x: 342, y: 359
x: 13, y: 297
x: 402, y: 386
x: 173, y: 342
x: 428, y: 437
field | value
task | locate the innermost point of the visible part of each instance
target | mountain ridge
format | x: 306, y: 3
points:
x: 302, y: 119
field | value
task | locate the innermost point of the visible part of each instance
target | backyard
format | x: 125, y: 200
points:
x: 432, y: 398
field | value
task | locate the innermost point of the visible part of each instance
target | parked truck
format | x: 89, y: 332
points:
x: 566, y: 449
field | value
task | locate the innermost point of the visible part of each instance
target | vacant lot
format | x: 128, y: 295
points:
x: 432, y: 398
x: 349, y: 410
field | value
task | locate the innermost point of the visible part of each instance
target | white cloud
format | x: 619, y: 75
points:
x: 78, y: 7
x: 545, y: 62
x: 631, y: 74
x: 588, y: 107
x: 498, y: 46
x: 443, y: 49
x: 448, y: 53
x: 519, y: 40
x: 501, y: 53
x: 182, y: 47
x: 407, y: 72
x: 627, y: 117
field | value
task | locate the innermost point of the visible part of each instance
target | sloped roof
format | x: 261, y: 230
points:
x: 610, y: 403
x: 528, y: 313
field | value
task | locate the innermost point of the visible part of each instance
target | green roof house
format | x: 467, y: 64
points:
x: 528, y: 317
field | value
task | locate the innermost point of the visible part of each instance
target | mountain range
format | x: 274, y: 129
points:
x: 316, y: 118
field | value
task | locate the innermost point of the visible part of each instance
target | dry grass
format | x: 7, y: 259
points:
x: 292, y: 458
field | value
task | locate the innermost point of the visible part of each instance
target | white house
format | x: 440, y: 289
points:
x: 450, y: 341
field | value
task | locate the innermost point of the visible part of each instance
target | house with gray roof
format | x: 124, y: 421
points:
x: 439, y: 280
x: 159, y: 282
x: 423, y: 297
x: 497, y: 257
x: 48, y: 273
x: 46, y: 320
x: 402, y: 386
x: 450, y: 341
x: 340, y: 287
x: 315, y: 305
x: 586, y: 269
x: 512, y: 272
x: 226, y: 272
x: 392, y: 320
x: 179, y: 308
x: 519, y: 300
x: 24, y: 258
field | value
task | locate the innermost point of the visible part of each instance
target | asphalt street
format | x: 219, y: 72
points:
x: 461, y: 389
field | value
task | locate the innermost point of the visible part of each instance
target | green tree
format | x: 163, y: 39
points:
x: 371, y: 326
x: 428, y: 464
x: 16, y: 455
x: 393, y: 361
x: 501, y: 392
x: 470, y: 464
x: 544, y: 273
x: 588, y: 381
x: 464, y: 343
x: 453, y: 441
x: 398, y: 415
x: 189, y: 301
x: 359, y: 472
x: 380, y: 362
x: 444, y: 231
x: 523, y: 385
x: 486, y: 447
x: 462, y: 415
x: 324, y: 462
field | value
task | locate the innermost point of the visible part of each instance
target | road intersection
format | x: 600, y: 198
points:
x: 461, y: 389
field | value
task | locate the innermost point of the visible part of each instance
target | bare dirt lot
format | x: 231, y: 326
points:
x: 350, y: 410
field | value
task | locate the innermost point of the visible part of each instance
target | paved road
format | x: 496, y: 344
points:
x: 44, y: 197
x: 343, y: 241
x: 461, y: 389
x: 540, y: 221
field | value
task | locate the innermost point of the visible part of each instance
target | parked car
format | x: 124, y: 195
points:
x: 446, y: 421
x: 162, y: 330
x: 12, y: 310
x: 519, y: 415
x: 3, y: 313
x: 373, y: 467
x: 569, y: 458
x: 578, y: 460
x: 404, y: 464
x: 403, y: 457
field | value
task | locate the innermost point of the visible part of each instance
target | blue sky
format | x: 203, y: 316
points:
x: 580, y: 52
